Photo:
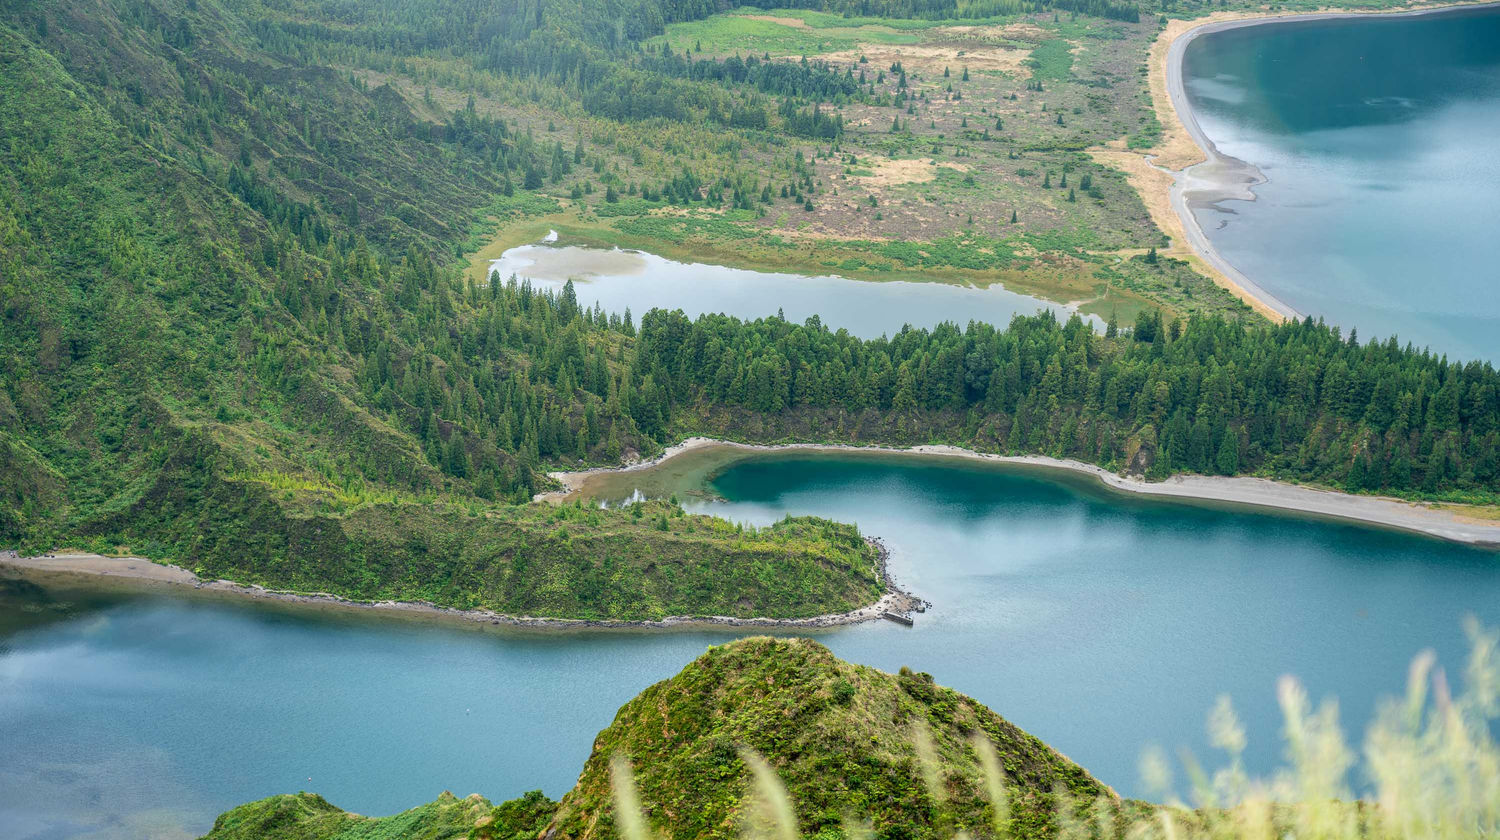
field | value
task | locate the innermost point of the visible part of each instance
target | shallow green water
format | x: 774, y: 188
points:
x: 1099, y: 623
x: 1377, y: 135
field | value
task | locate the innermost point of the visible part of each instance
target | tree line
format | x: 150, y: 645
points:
x: 533, y: 373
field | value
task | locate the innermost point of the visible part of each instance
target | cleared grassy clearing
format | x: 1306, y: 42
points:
x: 780, y: 33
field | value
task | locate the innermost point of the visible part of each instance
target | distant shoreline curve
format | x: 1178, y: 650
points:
x: 1261, y: 493
x: 1221, y: 177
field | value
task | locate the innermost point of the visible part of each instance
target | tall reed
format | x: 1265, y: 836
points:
x: 1429, y: 770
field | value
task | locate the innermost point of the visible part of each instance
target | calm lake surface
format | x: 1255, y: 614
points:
x: 1378, y: 135
x: 1099, y: 623
x: 618, y: 279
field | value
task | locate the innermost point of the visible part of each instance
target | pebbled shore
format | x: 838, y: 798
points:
x: 1246, y: 491
x: 141, y: 570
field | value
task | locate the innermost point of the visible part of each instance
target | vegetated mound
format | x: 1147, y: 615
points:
x: 647, y: 561
x: 307, y: 816
x: 840, y: 736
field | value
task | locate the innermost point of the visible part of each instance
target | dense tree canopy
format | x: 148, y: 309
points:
x: 1209, y: 397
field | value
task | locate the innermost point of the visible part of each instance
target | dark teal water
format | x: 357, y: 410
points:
x: 1378, y: 135
x: 1100, y: 624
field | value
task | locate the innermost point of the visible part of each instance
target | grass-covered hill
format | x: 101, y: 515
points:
x: 844, y: 739
x: 307, y: 816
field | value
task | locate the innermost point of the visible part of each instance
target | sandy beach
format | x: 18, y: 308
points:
x: 81, y: 567
x: 1250, y: 492
x: 1185, y: 170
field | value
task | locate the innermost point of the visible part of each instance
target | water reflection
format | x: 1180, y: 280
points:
x: 618, y: 280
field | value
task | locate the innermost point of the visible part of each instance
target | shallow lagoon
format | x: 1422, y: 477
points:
x: 617, y: 279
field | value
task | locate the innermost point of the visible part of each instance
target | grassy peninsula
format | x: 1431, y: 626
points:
x: 646, y: 562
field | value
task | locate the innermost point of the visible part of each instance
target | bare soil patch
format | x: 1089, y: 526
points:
x: 952, y: 47
x: 890, y: 172
x: 795, y: 23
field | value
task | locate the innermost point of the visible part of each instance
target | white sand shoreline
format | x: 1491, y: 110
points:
x: 1221, y: 177
x: 1218, y: 178
x: 1265, y: 494
x: 84, y: 567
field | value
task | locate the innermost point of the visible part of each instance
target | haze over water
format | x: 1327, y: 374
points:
x: 1101, y: 624
x: 1379, y: 137
x: 617, y: 280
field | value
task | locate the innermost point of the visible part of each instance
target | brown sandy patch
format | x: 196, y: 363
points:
x: 96, y: 564
x: 1155, y: 189
x: 795, y: 23
x: 931, y: 58
x: 890, y: 172
x: 1024, y: 32
x: 815, y: 231
x: 674, y: 210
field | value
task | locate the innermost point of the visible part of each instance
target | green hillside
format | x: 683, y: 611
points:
x: 186, y: 328
x: 841, y: 737
x: 307, y: 816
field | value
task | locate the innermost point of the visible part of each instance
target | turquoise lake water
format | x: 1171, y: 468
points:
x: 1378, y: 135
x: 1100, y: 624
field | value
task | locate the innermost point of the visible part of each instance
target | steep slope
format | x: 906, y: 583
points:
x: 178, y: 378
x: 840, y: 736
